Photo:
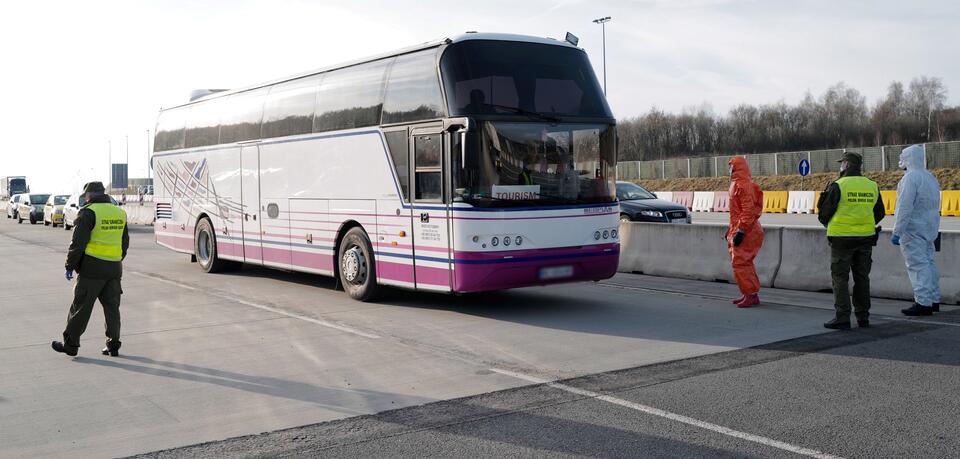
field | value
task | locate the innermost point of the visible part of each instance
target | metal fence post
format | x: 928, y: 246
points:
x: 716, y: 167
x: 663, y: 169
x: 688, y: 168
x: 776, y: 165
x: 883, y: 158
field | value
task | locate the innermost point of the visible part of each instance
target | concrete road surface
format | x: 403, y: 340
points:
x: 946, y: 223
x: 648, y: 367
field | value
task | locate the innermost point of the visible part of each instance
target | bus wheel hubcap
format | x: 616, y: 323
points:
x: 354, y: 265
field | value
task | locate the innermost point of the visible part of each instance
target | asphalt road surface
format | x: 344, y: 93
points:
x: 946, y: 223
x: 264, y: 363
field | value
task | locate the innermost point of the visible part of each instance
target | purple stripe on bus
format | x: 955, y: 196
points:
x: 395, y: 271
x: 485, y: 277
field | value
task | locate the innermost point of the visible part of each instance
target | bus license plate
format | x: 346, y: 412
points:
x: 556, y: 272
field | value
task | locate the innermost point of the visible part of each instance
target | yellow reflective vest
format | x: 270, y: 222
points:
x: 106, y: 240
x: 854, y: 217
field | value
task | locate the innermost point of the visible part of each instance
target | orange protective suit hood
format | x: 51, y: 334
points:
x: 741, y: 169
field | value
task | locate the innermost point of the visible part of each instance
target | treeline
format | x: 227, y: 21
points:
x: 839, y: 118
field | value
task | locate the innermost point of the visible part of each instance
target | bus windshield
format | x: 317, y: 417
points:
x: 488, y: 77
x: 523, y: 164
x: 18, y: 186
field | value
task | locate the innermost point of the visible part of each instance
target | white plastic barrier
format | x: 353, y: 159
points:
x: 664, y: 195
x: 795, y: 258
x: 703, y: 201
x: 800, y: 202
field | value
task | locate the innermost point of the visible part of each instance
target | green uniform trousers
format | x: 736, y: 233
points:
x: 85, y: 293
x: 845, y: 258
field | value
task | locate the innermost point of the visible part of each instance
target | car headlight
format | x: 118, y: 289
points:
x: 651, y: 213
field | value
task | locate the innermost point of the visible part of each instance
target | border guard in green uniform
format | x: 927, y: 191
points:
x: 99, y: 245
x: 851, y: 208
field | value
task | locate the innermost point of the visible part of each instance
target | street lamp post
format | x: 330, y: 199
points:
x: 603, y: 25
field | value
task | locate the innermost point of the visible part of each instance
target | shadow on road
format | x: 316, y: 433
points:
x: 325, y: 397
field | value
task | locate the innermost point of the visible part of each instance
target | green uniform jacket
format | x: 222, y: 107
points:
x: 87, y: 266
x: 830, y: 201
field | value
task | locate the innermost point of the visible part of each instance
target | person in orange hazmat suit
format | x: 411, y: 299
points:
x: 745, y: 235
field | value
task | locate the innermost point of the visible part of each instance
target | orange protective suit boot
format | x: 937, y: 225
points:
x: 749, y: 301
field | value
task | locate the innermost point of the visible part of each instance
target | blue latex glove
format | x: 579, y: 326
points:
x: 895, y: 240
x: 68, y: 274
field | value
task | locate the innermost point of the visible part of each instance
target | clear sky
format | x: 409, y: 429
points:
x: 79, y: 74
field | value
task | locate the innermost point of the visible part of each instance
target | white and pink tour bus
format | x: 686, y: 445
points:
x: 477, y: 163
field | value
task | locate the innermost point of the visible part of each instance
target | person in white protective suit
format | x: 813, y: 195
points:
x: 917, y: 227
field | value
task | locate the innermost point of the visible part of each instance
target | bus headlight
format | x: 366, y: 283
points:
x: 495, y: 241
x: 596, y: 235
x: 606, y: 234
x: 519, y: 240
x: 613, y: 234
x: 506, y: 240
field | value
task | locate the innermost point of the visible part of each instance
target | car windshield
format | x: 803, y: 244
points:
x: 522, y: 164
x: 39, y: 198
x: 630, y: 192
x: 60, y: 200
x: 515, y: 78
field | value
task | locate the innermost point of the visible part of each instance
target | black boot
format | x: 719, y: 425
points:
x: 918, y: 310
x: 838, y: 324
x: 936, y: 307
x: 110, y: 350
x: 59, y: 347
x: 863, y: 320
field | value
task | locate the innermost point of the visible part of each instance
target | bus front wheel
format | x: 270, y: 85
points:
x: 356, y: 266
x: 205, y: 249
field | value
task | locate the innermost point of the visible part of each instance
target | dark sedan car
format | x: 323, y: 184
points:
x: 640, y: 205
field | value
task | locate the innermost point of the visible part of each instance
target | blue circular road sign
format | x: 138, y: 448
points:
x: 804, y: 167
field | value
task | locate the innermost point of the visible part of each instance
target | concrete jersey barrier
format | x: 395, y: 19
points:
x: 795, y: 258
x: 664, y: 195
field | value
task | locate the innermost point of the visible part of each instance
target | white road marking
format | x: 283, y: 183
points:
x: 264, y: 307
x: 673, y: 416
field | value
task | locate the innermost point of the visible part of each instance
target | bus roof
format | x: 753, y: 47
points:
x: 430, y: 44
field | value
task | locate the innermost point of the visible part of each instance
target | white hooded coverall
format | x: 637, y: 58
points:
x: 918, y: 223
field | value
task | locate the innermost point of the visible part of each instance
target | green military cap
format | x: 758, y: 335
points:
x: 94, y: 187
x: 852, y: 158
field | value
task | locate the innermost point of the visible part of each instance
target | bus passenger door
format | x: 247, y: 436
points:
x: 431, y: 236
x: 250, y: 203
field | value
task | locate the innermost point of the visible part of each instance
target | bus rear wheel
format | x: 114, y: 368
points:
x: 205, y: 249
x: 356, y: 267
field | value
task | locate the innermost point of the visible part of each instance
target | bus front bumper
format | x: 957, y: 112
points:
x: 485, y: 271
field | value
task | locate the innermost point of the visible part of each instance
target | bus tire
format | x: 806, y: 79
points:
x: 356, y: 266
x: 205, y: 249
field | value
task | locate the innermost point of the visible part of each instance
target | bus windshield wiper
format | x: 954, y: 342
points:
x: 527, y: 113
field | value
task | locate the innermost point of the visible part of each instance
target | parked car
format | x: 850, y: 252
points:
x: 30, y: 207
x: 639, y: 205
x: 12, y: 206
x: 74, y: 203
x: 53, y: 210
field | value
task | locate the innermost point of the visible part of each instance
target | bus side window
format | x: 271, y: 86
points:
x: 397, y: 143
x: 428, y: 171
